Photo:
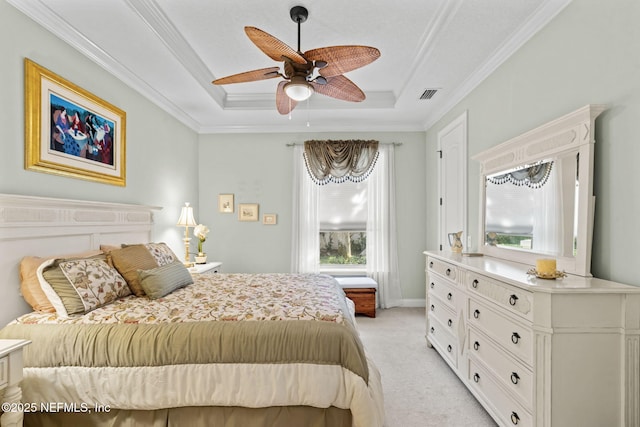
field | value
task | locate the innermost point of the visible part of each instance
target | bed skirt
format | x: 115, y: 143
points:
x: 198, y: 416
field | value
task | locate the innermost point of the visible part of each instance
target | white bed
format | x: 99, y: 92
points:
x: 276, y: 393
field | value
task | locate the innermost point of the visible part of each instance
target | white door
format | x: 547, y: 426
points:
x: 452, y: 147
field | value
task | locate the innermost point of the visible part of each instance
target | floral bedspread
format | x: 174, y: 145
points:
x: 224, y: 297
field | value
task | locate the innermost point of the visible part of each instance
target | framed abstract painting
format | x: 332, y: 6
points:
x: 71, y: 132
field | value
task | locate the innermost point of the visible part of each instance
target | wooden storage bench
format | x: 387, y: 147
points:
x: 362, y: 291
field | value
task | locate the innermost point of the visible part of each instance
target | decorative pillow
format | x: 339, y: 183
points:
x: 51, y: 295
x: 162, y: 253
x: 128, y: 260
x: 95, y: 281
x: 67, y: 294
x: 109, y: 248
x: 30, y: 285
x: 165, y: 279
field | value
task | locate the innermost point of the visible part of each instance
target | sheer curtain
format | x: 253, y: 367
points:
x: 382, y: 248
x: 382, y: 251
x: 306, y: 228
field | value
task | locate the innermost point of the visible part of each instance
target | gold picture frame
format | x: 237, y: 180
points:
x: 248, y: 212
x: 71, y: 132
x: 225, y: 203
x: 269, y: 219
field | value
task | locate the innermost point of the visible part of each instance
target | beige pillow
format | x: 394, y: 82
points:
x: 161, y: 252
x: 30, y: 285
x: 161, y: 281
x: 129, y: 260
x: 95, y: 281
x: 109, y: 248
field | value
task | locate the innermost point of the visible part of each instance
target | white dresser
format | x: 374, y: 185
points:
x: 537, y: 352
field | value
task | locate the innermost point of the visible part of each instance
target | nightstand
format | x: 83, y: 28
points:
x: 10, y: 377
x: 209, y: 268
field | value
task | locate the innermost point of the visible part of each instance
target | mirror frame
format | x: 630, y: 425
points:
x: 571, y: 133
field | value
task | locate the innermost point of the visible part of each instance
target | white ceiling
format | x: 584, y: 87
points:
x: 171, y: 50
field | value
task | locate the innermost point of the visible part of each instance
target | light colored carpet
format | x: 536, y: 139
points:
x: 420, y: 390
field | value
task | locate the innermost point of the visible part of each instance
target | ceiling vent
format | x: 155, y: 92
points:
x: 428, y: 93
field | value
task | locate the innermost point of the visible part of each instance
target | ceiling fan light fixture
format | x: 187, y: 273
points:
x: 298, y: 89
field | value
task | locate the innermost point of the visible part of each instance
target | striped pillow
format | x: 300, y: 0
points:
x: 128, y: 260
x: 163, y: 280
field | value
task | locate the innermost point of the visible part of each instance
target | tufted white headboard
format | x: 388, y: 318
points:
x: 41, y: 226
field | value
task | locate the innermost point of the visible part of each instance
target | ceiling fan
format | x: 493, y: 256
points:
x: 299, y: 72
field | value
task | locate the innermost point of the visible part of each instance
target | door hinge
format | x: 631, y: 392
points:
x: 440, y: 247
x: 440, y: 201
x: 439, y: 153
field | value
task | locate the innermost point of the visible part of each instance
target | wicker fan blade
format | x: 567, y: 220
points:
x: 249, y: 76
x: 342, y: 59
x: 340, y: 87
x: 284, y: 104
x: 272, y: 47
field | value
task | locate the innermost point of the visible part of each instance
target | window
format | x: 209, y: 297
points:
x: 342, y: 216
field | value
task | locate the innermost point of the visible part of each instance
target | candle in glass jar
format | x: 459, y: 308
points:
x: 546, y: 266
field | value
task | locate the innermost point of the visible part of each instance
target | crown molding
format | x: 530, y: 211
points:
x: 46, y: 17
x: 153, y: 16
x: 542, y: 17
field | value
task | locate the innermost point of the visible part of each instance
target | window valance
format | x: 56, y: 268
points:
x: 533, y: 176
x: 340, y: 160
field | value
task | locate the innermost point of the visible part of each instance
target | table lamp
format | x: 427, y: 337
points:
x: 186, y: 220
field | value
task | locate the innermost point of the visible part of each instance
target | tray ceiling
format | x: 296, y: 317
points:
x: 170, y: 51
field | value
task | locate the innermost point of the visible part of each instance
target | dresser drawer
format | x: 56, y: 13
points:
x: 444, y: 290
x: 513, y: 299
x: 4, y: 371
x: 440, y: 337
x: 442, y: 268
x: 514, y: 376
x: 443, y: 314
x: 509, y: 411
x: 513, y: 337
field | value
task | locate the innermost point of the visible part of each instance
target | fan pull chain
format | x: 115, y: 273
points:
x: 289, y: 107
x: 308, y: 114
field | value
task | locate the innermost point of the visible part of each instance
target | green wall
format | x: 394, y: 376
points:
x: 161, y: 152
x: 258, y: 168
x: 588, y: 54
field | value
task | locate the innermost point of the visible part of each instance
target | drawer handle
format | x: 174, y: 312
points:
x: 515, y: 337
x: 513, y: 299
x: 476, y: 313
x: 515, y: 377
x: 514, y: 418
x: 449, y: 296
x: 476, y: 377
x: 476, y: 346
x: 449, y: 348
x: 433, y: 331
x: 431, y: 264
x: 448, y: 272
x: 432, y: 285
x: 475, y: 283
x: 433, y: 307
x: 449, y: 322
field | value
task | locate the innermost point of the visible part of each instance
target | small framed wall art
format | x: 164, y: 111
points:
x: 248, y: 211
x: 269, y: 219
x: 225, y: 203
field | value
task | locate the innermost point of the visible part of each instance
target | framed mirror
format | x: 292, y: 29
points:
x: 536, y: 194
